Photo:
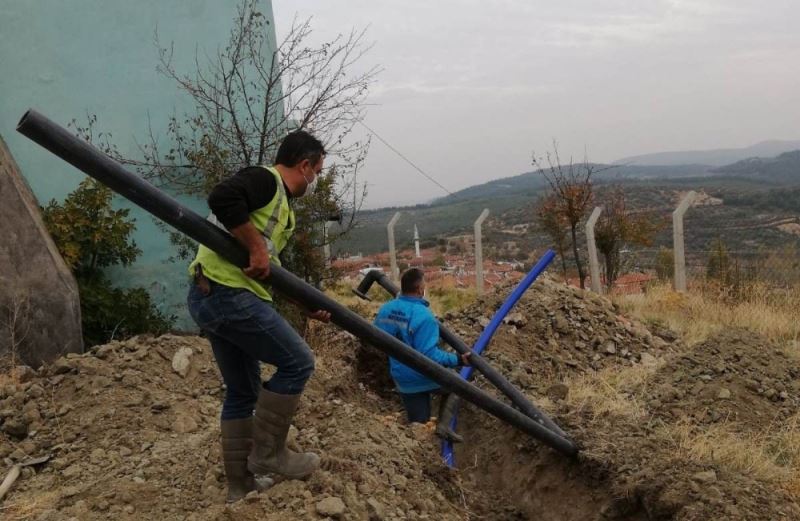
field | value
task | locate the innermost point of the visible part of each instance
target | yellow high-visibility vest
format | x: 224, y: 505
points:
x: 275, y: 222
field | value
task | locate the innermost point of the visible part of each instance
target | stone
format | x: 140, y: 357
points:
x: 22, y: 374
x: 61, y: 366
x: 558, y: 392
x: 184, y: 424
x: 16, y: 428
x: 331, y: 506
x: 399, y: 481
x: 515, y: 319
x: 97, y: 455
x: 610, y: 348
x: 72, y: 471
x: 560, y: 323
x: 708, y: 476
x: 648, y: 360
x: 724, y: 394
x: 182, y: 361
x: 35, y: 391
x: 483, y: 321
x: 375, y: 510
x: 659, y: 343
x: 31, y: 416
x: 70, y: 490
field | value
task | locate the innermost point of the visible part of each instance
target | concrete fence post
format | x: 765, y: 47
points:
x: 395, y: 273
x: 594, y: 263
x: 326, y: 245
x: 479, y: 251
x: 416, y: 242
x: 679, y: 282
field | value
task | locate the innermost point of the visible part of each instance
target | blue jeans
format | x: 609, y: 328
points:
x: 245, y: 330
x: 418, y: 406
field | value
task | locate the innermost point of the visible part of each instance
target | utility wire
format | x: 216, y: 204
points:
x: 407, y: 160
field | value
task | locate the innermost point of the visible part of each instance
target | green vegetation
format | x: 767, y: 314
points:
x: 91, y: 235
x: 665, y: 264
x: 787, y: 199
x: 784, y: 168
x: 433, y: 220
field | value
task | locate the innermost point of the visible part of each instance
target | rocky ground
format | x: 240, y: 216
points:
x: 131, y: 428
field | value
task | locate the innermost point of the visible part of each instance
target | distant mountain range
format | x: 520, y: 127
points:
x: 782, y: 169
x: 530, y: 183
x: 718, y: 157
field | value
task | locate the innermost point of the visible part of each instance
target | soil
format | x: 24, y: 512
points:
x: 132, y: 428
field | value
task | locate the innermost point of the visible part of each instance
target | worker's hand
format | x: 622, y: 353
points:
x: 465, y: 359
x: 321, y: 315
x: 259, y: 265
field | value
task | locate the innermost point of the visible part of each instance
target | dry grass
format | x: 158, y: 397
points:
x: 28, y: 508
x: 612, y: 392
x: 342, y: 292
x: 771, y: 455
x: 442, y: 299
x: 699, y: 314
x: 8, y: 375
x: 450, y: 299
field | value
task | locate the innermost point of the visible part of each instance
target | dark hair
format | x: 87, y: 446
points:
x: 411, y: 280
x: 298, y: 146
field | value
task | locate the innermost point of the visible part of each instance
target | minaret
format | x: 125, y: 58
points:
x: 416, y: 241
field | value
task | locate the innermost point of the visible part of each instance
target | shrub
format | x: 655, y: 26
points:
x: 91, y: 235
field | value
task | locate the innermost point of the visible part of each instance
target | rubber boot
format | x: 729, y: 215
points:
x: 237, y: 441
x: 274, y: 413
x: 447, y: 410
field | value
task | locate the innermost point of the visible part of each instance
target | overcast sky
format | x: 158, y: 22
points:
x: 470, y: 89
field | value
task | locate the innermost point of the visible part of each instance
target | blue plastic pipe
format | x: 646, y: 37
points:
x: 466, y: 373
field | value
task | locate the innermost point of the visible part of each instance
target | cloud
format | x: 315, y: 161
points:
x: 620, y: 77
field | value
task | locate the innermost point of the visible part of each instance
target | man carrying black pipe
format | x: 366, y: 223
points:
x: 409, y: 319
x: 234, y: 309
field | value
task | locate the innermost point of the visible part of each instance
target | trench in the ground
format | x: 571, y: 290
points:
x: 506, y: 474
x: 533, y: 480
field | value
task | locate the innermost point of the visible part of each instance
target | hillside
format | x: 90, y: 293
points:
x: 717, y: 157
x: 743, y: 186
x: 784, y: 168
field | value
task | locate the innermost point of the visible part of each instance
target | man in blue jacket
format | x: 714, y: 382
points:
x: 409, y: 319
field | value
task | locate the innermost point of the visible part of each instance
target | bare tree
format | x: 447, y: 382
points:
x: 246, y: 96
x: 572, y: 192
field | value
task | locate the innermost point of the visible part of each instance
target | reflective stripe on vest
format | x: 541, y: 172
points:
x: 275, y: 222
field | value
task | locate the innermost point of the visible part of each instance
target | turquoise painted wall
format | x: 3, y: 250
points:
x: 70, y: 58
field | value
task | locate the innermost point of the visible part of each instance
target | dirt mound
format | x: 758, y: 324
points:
x: 736, y: 377
x: 132, y: 428
x: 559, y: 332
x: 133, y: 438
x: 639, y: 404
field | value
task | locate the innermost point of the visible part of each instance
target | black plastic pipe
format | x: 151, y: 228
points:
x: 371, y: 278
x: 476, y: 361
x: 93, y: 162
